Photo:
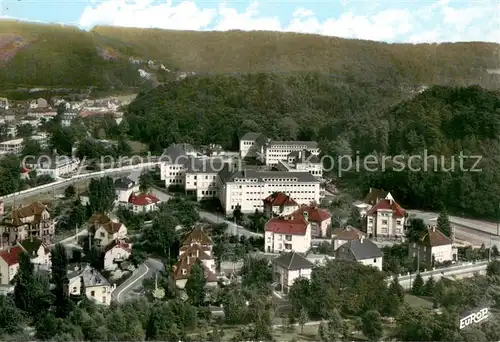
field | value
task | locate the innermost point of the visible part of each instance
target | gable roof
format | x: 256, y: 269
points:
x: 142, y: 199
x: 303, y: 156
x: 124, y: 183
x: 32, y: 245
x: 362, y: 249
x: 186, y: 263
x: 11, y: 255
x: 112, y: 227
x: 196, y: 251
x: 251, y: 136
x: 291, y: 225
x: 347, y: 233
x: 314, y: 214
x: 434, y: 237
x: 279, y: 199
x: 197, y: 236
x: 388, y: 204
x: 293, y: 261
x: 375, y: 195
x: 35, y: 209
x: 99, y: 218
x: 125, y: 245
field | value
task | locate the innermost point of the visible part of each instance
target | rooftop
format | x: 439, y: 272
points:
x: 307, y: 144
x: 293, y: 261
x: 143, y: 199
x: 362, y: 249
x: 375, y: 195
x: 290, y: 225
x: 11, y: 255
x: 434, y: 237
x: 279, y: 199
x: 347, y: 233
x: 388, y: 204
x: 228, y: 175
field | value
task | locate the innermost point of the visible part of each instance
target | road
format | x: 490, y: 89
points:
x: 474, y: 231
x: 132, y: 287
x: 465, y: 270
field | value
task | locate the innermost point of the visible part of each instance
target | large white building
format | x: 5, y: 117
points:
x: 281, y: 150
x: 173, y: 164
x: 55, y: 167
x: 301, y: 161
x: 252, y: 145
x: 12, y: 146
x: 248, y: 188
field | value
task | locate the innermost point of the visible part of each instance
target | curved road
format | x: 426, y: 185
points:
x: 133, y: 285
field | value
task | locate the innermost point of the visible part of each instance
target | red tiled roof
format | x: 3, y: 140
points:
x: 186, y: 263
x: 435, y: 238
x: 197, y: 236
x: 142, y: 199
x: 347, y: 233
x: 287, y: 225
x: 386, y: 204
x: 279, y: 199
x: 125, y: 245
x: 11, y: 256
x: 314, y: 213
x: 195, y: 251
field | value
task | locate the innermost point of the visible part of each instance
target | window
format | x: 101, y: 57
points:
x: 74, y: 289
x: 384, y: 221
x: 288, y: 237
x: 375, y: 260
x: 92, y: 293
x: 184, y: 272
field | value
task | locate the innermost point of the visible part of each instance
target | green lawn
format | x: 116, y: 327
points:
x: 415, y: 301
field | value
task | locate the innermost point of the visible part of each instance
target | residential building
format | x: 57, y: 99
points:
x: 106, y: 230
x: 39, y: 103
x: 288, y: 233
x: 11, y: 130
x: 33, y: 122
x: 341, y: 236
x: 289, y: 267
x: 173, y: 166
x: 42, y: 139
x: 362, y: 250
x: 433, y: 247
x: 9, y: 264
x: 68, y: 116
x: 41, y: 113
x: 55, y: 166
x: 90, y: 283
x: 301, y: 161
x: 38, y: 251
x: 385, y: 219
x: 278, y: 204
x: 84, y: 198
x: 280, y: 150
x: 12, y: 146
x: 252, y: 145
x: 248, y: 188
x: 372, y: 198
x: 143, y: 203
x: 4, y: 103
x: 115, y: 253
x: 196, y: 246
x: 320, y: 219
x: 125, y: 187
x: 29, y: 221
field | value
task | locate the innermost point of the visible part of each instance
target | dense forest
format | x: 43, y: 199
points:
x: 346, y: 119
x: 59, y: 56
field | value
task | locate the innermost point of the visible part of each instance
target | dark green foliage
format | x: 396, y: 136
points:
x: 372, y: 325
x: 101, y: 194
x: 418, y: 285
x: 10, y: 317
x: 443, y: 223
x: 493, y: 268
x: 60, y: 263
x: 257, y: 274
x: 416, y: 230
x: 195, y: 285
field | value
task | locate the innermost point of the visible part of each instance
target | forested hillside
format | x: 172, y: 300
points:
x: 34, y: 55
x: 347, y: 119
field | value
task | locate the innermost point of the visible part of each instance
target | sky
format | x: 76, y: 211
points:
x: 410, y: 21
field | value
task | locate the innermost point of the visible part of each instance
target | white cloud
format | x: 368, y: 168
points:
x: 435, y: 22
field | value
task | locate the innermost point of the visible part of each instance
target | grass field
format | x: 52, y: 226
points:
x: 415, y: 301
x: 137, y: 147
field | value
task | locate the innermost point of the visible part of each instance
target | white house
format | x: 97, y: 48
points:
x: 125, y: 187
x: 116, y: 252
x: 385, y: 219
x: 9, y: 264
x: 173, y: 164
x: 143, y: 203
x: 433, y: 247
x: 248, y: 188
x: 12, y: 146
x: 287, y: 233
x: 362, y: 250
x: 41, y: 113
x: 38, y: 251
x: 340, y: 236
x: 279, y: 204
x: 289, y: 267
x: 55, y: 166
x: 280, y: 150
x: 106, y: 230
x: 90, y: 283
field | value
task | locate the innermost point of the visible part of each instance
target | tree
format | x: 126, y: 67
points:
x: 256, y: 273
x: 418, y: 285
x: 161, y: 235
x: 333, y: 327
x: 237, y: 214
x: 70, y: 191
x: 59, y: 260
x: 416, y: 229
x: 354, y: 218
x: 493, y: 268
x: 443, y: 223
x: 146, y: 181
x: 303, y: 318
x: 101, y: 194
x: 428, y: 289
x: 196, y: 284
x: 396, y: 287
x: 31, y: 293
x: 10, y: 317
x: 372, y: 325
x: 31, y: 148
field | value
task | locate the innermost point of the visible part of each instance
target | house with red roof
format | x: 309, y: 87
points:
x: 433, y: 246
x: 143, y: 203
x: 278, y: 204
x: 320, y: 219
x: 288, y: 233
x: 385, y: 219
x: 9, y: 264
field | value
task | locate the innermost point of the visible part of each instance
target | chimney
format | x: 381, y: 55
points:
x: 361, y: 238
x: 434, y: 228
x: 390, y: 201
x: 306, y: 216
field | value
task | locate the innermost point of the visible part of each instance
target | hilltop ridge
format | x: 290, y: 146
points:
x: 55, y: 55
